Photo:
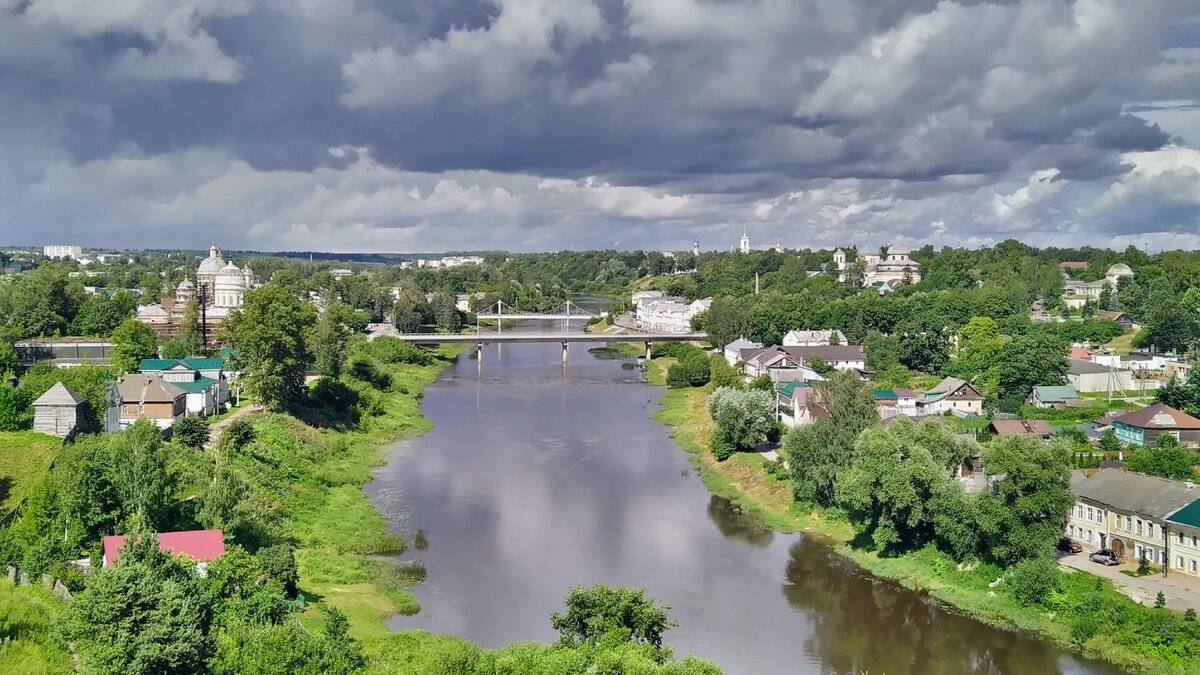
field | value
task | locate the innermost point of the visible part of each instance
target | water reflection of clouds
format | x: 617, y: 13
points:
x: 531, y: 485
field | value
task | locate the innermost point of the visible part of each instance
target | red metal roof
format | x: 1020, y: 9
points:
x: 200, y: 545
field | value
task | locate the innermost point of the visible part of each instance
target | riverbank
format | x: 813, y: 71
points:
x: 964, y: 589
x: 343, y: 540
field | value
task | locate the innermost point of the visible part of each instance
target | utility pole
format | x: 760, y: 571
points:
x: 203, y: 297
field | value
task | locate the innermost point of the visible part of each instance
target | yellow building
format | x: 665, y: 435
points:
x: 1183, y: 539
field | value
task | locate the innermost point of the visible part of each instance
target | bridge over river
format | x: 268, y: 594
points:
x: 480, y: 339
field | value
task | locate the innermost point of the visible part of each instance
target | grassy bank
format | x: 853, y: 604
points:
x: 316, y: 479
x: 28, y: 643
x: 27, y: 457
x: 963, y: 589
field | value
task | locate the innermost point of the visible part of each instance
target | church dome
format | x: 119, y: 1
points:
x: 213, y: 263
x: 186, y: 285
x: 230, y: 277
x: 898, y: 248
x: 1119, y: 270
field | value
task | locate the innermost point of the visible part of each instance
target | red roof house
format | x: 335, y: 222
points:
x: 199, y: 545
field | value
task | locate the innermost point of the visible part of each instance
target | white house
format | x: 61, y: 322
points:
x: 662, y: 314
x: 951, y: 395
x: 733, y: 350
x: 814, y: 338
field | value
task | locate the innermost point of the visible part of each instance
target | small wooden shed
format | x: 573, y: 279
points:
x: 58, y: 412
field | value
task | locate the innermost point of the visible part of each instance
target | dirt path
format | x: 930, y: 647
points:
x: 217, y: 427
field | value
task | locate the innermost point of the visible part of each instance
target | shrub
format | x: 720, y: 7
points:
x: 238, y: 434
x: 365, y: 369
x: 744, y: 418
x: 722, y: 447
x: 1083, y: 628
x: 1033, y: 580
x: 393, y: 350
x: 690, y: 371
x: 191, y: 432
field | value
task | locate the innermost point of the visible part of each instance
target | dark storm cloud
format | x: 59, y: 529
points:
x: 550, y: 123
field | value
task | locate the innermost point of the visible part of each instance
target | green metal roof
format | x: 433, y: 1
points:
x: 789, y: 388
x: 1188, y: 515
x: 194, y: 364
x: 196, y: 386
x: 1056, y: 392
x: 884, y: 393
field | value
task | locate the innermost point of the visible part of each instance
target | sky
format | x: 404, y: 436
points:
x: 528, y: 125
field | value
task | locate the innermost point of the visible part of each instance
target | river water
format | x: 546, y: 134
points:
x: 535, y: 479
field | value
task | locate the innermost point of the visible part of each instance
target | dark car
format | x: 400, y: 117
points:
x: 1105, y: 557
x: 1069, y: 545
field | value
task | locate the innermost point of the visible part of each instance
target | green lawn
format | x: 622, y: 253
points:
x: 25, y: 457
x: 28, y: 641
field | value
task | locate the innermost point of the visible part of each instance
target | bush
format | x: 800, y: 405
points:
x: 365, y: 369
x: 393, y: 350
x: 690, y: 371
x: 1033, y: 580
x: 722, y: 447
x: 1083, y: 628
x: 238, y: 434
x: 744, y: 418
x: 16, y: 411
x: 191, y: 432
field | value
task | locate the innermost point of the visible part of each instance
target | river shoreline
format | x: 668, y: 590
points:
x: 743, y: 480
x: 357, y: 575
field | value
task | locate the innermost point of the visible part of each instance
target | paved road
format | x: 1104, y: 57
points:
x: 1181, y: 592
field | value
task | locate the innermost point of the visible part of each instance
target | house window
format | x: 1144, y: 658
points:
x: 1178, y: 562
x: 141, y: 408
x: 1193, y: 566
x: 1128, y: 524
x: 1150, y: 530
x: 124, y: 410
x: 1193, y: 541
x: 1099, y: 516
x: 1089, y: 513
x: 1139, y: 526
x: 1180, y: 537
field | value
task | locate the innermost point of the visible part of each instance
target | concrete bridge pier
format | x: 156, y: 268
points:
x: 564, y: 360
x: 647, y: 350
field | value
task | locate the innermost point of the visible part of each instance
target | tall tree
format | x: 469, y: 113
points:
x: 1171, y: 327
x: 142, y: 481
x: 818, y: 452
x: 744, y: 418
x: 269, y: 343
x: 1026, y: 509
x: 329, y: 341
x: 132, y: 342
x: 1028, y: 361
x: 147, y: 614
x: 100, y: 314
x: 1166, y: 458
x: 410, y: 311
x: 889, y: 490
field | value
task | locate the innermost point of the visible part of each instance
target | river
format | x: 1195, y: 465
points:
x: 534, y: 480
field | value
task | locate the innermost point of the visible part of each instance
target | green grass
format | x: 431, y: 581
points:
x: 313, y: 480
x: 234, y: 406
x: 25, y: 458
x: 28, y: 642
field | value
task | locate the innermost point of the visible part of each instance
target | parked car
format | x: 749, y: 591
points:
x: 1105, y: 557
x: 1069, y: 545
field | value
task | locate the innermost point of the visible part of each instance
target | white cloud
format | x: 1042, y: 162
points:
x: 179, y: 48
x: 618, y: 75
x: 1041, y: 186
x: 491, y: 64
